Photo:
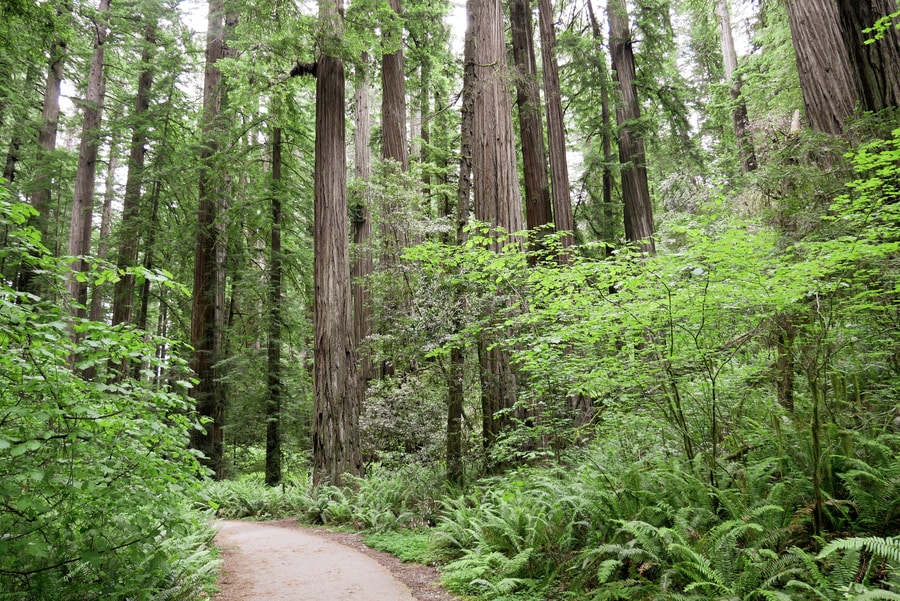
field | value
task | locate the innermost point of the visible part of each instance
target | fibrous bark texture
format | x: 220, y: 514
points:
x: 635, y: 189
x: 556, y: 131
x: 207, y: 313
x: 538, y: 212
x: 273, y: 345
x: 336, y: 449
x: 496, y: 185
x: 876, y: 65
x: 393, y: 103
x: 827, y: 80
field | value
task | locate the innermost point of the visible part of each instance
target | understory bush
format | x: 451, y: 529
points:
x: 95, y: 477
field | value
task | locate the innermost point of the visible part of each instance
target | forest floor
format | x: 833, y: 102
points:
x: 283, y: 561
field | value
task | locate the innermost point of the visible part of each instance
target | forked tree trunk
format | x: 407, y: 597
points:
x: 556, y: 130
x: 538, y: 212
x: 635, y: 189
x: 739, y: 118
x: 336, y: 446
x: 123, y: 295
x: 81, y: 223
x: 273, y: 347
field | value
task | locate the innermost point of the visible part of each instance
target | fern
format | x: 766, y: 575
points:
x: 888, y: 548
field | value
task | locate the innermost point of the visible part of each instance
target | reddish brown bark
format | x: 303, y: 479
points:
x: 556, y: 131
x: 206, y: 320
x: 538, y: 211
x: 336, y: 447
x: 635, y: 189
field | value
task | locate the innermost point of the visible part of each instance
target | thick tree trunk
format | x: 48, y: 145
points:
x: 393, y: 101
x: 556, y: 130
x: 131, y: 206
x: 635, y: 189
x: 273, y: 403
x: 205, y: 322
x: 362, y: 225
x: 496, y: 186
x: 336, y: 447
x: 739, y: 118
x: 538, y: 211
x: 496, y: 183
x: 877, y: 65
x: 81, y: 223
x: 827, y: 80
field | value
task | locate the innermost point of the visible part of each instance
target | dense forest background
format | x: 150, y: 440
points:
x: 581, y: 300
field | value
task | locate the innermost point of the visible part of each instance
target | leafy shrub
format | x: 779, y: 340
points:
x: 95, y: 475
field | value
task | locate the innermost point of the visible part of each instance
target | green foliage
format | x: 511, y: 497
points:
x: 95, y: 478
x: 408, y: 545
x: 248, y: 496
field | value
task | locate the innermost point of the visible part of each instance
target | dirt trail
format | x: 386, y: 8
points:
x: 279, y: 561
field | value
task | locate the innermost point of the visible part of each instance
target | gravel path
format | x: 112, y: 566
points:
x: 281, y: 561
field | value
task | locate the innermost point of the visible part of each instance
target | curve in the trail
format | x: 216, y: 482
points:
x: 267, y: 562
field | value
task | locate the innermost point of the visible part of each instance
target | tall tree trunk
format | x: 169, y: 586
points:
x: 336, y: 445
x: 827, y: 81
x: 131, y: 207
x: 80, y: 226
x: 105, y: 222
x: 607, y: 231
x: 739, y: 117
x: 393, y: 99
x: 40, y: 197
x: 362, y: 225
x: 273, y: 403
x: 635, y: 189
x: 149, y: 248
x: 538, y: 212
x: 205, y: 325
x: 496, y: 187
x: 876, y: 65
x: 556, y: 131
x: 455, y: 374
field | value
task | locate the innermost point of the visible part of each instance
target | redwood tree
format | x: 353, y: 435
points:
x: 80, y: 226
x: 496, y: 186
x: 528, y: 99
x: 556, y: 132
x: 207, y: 314
x: 635, y: 189
x: 740, y: 121
x: 336, y: 444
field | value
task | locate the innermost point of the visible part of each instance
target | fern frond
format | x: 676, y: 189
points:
x: 888, y: 548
